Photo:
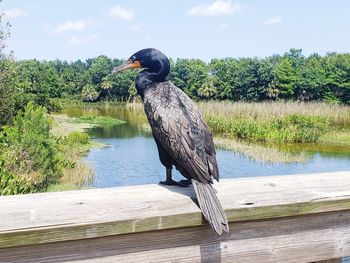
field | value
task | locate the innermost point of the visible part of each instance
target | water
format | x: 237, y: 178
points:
x: 132, y: 156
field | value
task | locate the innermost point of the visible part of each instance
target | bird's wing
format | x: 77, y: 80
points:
x: 179, y: 127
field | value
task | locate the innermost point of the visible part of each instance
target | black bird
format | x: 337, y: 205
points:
x: 181, y: 134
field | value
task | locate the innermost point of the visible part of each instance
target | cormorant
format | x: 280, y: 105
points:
x: 180, y: 132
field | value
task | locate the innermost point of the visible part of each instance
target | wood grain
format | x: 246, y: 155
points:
x: 306, y: 238
x: 51, y: 217
x: 82, y: 218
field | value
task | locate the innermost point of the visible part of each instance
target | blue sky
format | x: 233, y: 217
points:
x: 202, y: 29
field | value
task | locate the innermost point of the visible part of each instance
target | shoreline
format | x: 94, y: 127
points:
x: 79, y: 173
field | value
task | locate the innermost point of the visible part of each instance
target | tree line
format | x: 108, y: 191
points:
x: 291, y: 76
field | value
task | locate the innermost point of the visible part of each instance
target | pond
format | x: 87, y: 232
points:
x: 131, y: 157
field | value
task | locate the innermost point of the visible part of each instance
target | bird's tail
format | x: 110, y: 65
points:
x: 210, y: 206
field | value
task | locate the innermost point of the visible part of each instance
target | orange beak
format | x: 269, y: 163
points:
x: 128, y: 64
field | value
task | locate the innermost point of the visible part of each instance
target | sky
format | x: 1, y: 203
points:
x: 204, y: 29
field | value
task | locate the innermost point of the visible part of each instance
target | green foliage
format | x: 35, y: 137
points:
x: 121, y: 84
x: 189, y: 75
x: 292, y: 128
x: 207, y: 90
x: 89, y: 93
x: 337, y: 70
x: 77, y: 137
x: 288, y: 77
x: 311, y: 79
x: 222, y: 71
x: 38, y: 80
x: 99, y: 69
x: 285, y: 79
x: 11, y: 184
x: 100, y: 120
x: 29, y: 153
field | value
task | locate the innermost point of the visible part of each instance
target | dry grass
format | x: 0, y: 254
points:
x: 338, y: 115
x: 80, y: 175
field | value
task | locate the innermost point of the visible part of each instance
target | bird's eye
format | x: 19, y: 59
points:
x: 133, y: 58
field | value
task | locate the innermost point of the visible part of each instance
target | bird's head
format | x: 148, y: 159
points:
x: 152, y: 60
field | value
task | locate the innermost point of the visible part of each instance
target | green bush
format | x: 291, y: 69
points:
x: 29, y: 153
x: 11, y: 184
x: 77, y: 137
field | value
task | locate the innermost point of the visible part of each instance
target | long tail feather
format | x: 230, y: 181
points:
x: 210, y: 206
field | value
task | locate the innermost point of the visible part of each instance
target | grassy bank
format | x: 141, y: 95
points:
x: 277, y: 122
x: 291, y: 129
x: 336, y: 115
x: 74, y: 143
x: 40, y: 153
x: 339, y: 136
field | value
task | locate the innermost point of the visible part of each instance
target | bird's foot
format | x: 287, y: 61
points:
x: 182, y: 183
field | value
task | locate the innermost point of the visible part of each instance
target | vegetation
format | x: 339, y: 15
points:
x: 32, y: 158
x: 293, y: 128
x: 341, y: 136
x: 30, y: 154
x: 100, y: 120
x: 336, y: 115
x: 292, y: 122
x: 299, y: 97
x: 290, y: 76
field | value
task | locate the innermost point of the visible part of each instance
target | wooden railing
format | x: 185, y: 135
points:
x: 291, y: 218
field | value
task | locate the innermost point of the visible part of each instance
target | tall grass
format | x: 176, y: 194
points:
x: 337, y: 115
x: 291, y: 128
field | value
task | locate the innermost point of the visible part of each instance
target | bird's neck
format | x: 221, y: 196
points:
x: 147, y: 76
x: 142, y: 81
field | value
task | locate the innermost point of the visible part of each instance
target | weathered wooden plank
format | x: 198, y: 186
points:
x: 306, y: 238
x: 51, y: 217
x: 335, y: 260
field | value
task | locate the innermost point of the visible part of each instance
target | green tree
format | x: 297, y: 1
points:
x: 207, y: 90
x: 39, y: 80
x: 189, y: 75
x: 99, y: 69
x: 89, y: 94
x: 121, y: 83
x: 222, y: 71
x: 337, y: 70
x: 285, y: 77
x: 252, y: 78
x: 311, y: 79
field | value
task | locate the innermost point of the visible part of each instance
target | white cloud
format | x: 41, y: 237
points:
x: 273, y: 21
x: 123, y: 13
x: 77, y: 25
x: 78, y: 41
x: 224, y: 27
x: 136, y: 27
x: 15, y: 12
x: 217, y: 8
